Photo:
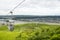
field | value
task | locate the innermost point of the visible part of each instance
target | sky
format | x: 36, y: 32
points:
x: 30, y: 7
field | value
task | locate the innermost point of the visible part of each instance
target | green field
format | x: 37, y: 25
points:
x: 31, y: 31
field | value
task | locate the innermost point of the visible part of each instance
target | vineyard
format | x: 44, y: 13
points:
x: 30, y: 31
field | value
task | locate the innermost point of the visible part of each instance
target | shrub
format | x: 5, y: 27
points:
x: 55, y: 37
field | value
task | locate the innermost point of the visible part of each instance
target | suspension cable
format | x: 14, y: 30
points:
x: 16, y: 6
x: 11, y: 11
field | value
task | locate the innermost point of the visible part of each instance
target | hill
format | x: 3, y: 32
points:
x: 31, y: 31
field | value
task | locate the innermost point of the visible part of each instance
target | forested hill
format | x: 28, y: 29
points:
x: 27, y: 16
x: 55, y: 19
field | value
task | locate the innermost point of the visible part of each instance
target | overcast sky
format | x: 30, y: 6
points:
x: 31, y: 7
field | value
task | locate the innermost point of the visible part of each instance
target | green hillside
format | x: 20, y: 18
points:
x: 31, y: 31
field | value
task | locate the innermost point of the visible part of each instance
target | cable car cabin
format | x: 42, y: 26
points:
x: 10, y: 25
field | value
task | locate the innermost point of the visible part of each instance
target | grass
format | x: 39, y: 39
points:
x: 31, y: 31
x: 4, y: 35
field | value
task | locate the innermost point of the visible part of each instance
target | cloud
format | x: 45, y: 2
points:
x: 31, y: 7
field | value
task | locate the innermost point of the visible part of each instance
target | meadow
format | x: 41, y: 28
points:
x: 30, y: 31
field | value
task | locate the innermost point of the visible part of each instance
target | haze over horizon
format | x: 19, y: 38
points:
x: 31, y: 7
